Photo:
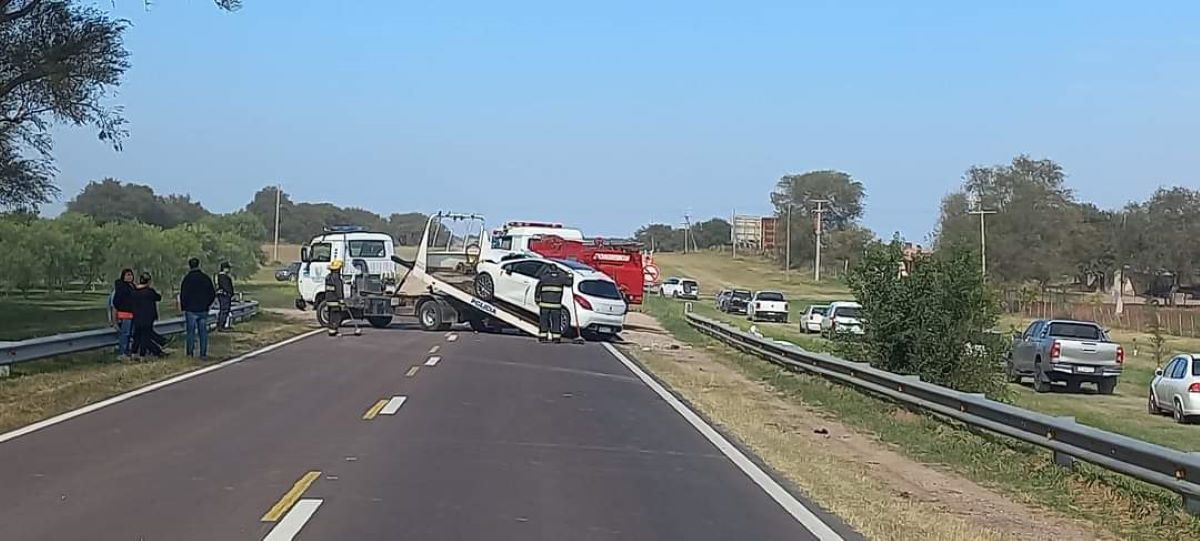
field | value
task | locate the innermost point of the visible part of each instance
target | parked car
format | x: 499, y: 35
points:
x: 767, y: 306
x: 737, y: 301
x: 812, y: 318
x: 288, y: 273
x: 1072, y: 352
x: 1176, y: 389
x: 680, y: 288
x: 842, y: 316
x: 598, y: 309
x: 721, y: 297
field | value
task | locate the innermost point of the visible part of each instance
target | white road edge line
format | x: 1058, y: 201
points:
x: 393, y: 405
x: 62, y: 417
x: 781, y: 496
x: 295, y: 519
x: 433, y: 361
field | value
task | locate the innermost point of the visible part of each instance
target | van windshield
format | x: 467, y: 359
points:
x: 367, y: 248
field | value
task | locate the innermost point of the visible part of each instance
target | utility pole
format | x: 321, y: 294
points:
x: 733, y: 231
x: 787, y: 259
x: 982, y: 238
x: 820, y: 212
x: 278, y: 196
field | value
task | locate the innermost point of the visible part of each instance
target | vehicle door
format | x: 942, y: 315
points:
x: 1176, y: 382
x: 1162, y: 382
x: 1023, y: 350
x: 311, y: 279
x: 510, y: 285
x: 527, y: 272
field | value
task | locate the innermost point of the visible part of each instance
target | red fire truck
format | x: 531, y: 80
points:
x: 621, y: 261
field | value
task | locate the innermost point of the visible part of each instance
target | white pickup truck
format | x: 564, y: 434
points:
x: 767, y: 305
x: 1072, y: 352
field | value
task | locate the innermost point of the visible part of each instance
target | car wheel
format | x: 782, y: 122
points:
x: 1041, y: 382
x: 485, y: 287
x: 1010, y: 372
x: 1074, y: 385
x: 567, y: 330
x: 1178, y: 413
x: 1107, y: 385
x: 1152, y: 406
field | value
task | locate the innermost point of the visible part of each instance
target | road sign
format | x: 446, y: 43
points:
x: 651, y: 273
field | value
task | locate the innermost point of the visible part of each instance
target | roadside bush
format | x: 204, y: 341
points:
x: 936, y: 322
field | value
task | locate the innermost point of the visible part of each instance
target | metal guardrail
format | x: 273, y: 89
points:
x: 1171, y: 469
x: 74, y: 342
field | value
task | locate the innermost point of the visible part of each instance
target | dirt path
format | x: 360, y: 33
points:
x: 880, y: 492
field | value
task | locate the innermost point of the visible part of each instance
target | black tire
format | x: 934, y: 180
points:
x: 1152, y: 406
x: 478, y: 325
x: 1107, y: 385
x: 485, y: 287
x: 1041, y: 382
x: 429, y: 316
x: 1010, y: 372
x: 567, y: 331
x: 380, y: 322
x: 1178, y: 414
x: 1074, y: 386
x: 322, y: 313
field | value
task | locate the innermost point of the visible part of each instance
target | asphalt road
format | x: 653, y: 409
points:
x: 499, y: 438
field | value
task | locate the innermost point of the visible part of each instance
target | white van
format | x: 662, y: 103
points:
x: 360, y: 251
x: 514, y: 237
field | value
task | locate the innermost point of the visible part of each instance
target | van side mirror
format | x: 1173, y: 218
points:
x: 304, y: 257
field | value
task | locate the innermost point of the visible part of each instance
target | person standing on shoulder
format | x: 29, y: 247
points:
x: 122, y: 311
x: 224, y: 298
x: 549, y: 295
x: 335, y: 295
x: 196, y: 295
x: 145, y: 313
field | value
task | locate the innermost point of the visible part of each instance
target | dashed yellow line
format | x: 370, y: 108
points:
x: 412, y: 371
x: 291, y: 497
x: 371, y: 413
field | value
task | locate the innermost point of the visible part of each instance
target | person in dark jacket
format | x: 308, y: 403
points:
x: 335, y: 297
x: 122, y: 311
x: 145, y: 313
x: 224, y: 298
x: 549, y: 295
x: 196, y: 295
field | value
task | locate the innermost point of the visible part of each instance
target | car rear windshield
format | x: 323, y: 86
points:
x: 848, y: 311
x: 770, y: 296
x: 688, y: 283
x: 820, y: 310
x: 741, y: 294
x: 1082, y: 331
x: 601, y: 289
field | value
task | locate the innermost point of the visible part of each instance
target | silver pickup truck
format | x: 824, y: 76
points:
x: 1072, y: 352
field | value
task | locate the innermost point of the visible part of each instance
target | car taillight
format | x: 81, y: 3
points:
x: 1194, y: 388
x: 1055, y: 350
x: 1120, y: 354
x: 583, y: 302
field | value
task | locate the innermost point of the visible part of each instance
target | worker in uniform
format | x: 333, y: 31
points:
x: 335, y: 293
x: 549, y: 296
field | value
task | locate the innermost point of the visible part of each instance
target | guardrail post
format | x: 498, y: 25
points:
x: 1191, y: 504
x: 1063, y: 459
x: 687, y: 307
x: 4, y: 371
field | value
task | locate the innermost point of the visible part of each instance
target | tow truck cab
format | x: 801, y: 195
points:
x: 367, y: 267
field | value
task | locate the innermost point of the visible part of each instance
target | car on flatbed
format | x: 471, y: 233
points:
x: 1070, y: 352
x: 767, y: 306
x: 1175, y: 389
x: 593, y: 304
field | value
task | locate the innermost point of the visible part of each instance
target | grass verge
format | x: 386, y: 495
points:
x: 41, y: 389
x: 1127, y: 508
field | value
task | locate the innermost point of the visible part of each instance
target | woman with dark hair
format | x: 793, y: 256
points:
x: 145, y: 312
x: 122, y: 311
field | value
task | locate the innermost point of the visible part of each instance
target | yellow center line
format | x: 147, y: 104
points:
x: 291, y: 497
x: 412, y: 371
x: 371, y: 413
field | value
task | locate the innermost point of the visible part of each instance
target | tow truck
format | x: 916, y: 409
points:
x: 439, y: 282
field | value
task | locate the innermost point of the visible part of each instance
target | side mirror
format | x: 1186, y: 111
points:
x: 1158, y: 372
x: 304, y: 257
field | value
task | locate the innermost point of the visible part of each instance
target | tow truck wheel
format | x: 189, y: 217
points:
x: 380, y: 322
x: 485, y: 288
x: 322, y: 314
x: 429, y: 315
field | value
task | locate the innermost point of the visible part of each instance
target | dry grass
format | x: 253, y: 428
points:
x: 716, y: 270
x: 46, y: 388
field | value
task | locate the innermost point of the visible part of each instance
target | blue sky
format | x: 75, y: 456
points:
x: 627, y: 112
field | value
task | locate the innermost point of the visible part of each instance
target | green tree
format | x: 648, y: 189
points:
x: 798, y: 195
x: 712, y: 233
x: 934, y: 322
x: 661, y: 237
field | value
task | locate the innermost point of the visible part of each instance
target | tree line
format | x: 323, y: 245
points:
x: 75, y: 251
x: 1042, y: 235
x: 700, y: 236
